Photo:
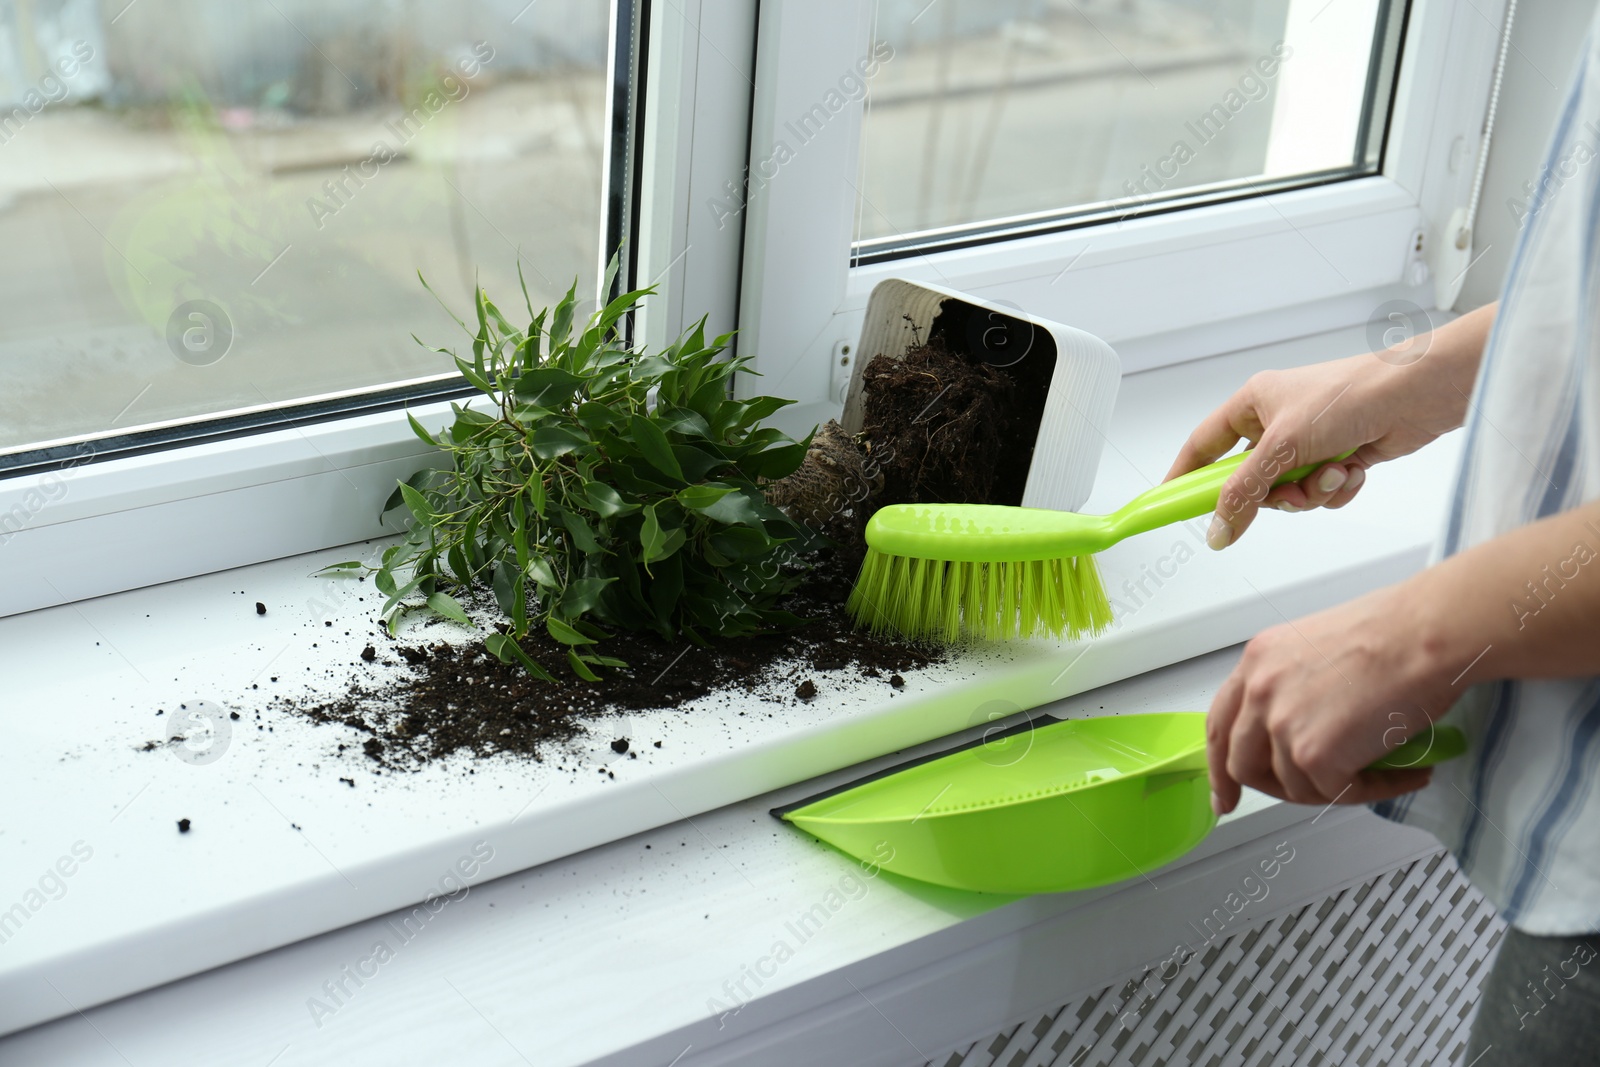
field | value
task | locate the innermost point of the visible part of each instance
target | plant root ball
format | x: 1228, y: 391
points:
x: 833, y: 489
x: 939, y: 426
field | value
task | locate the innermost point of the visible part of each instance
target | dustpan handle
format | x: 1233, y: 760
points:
x: 1436, y: 744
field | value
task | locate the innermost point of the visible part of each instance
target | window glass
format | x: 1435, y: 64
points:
x: 995, y: 113
x: 212, y: 208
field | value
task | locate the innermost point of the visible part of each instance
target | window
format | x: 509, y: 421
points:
x: 226, y: 207
x: 1018, y: 115
x: 964, y: 164
x: 214, y: 215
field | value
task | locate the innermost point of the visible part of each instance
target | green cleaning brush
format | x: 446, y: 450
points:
x: 945, y: 571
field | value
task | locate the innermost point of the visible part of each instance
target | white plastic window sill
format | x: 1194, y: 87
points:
x: 664, y: 948
x: 151, y: 905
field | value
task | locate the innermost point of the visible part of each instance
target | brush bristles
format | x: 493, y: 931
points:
x: 946, y: 602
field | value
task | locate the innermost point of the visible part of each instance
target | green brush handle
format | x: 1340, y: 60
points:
x: 1191, y: 495
x: 993, y: 533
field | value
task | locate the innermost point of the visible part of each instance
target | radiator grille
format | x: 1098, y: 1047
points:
x: 1383, y: 972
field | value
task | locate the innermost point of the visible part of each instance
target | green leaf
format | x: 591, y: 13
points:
x: 733, y: 508
x: 420, y: 480
x: 336, y: 568
x: 596, y: 416
x: 606, y: 501
x: 508, y: 651
x: 505, y: 328
x: 383, y: 581
x: 416, y: 428
x: 564, y: 633
x: 459, y: 564
x: 561, y: 318
x: 699, y: 461
x: 543, y: 575
x: 700, y: 497
x: 583, y: 596
x: 741, y: 543
x: 675, y: 540
x: 581, y: 534
x: 502, y: 581
x: 580, y: 668
x: 653, y: 445
x: 682, y: 420
x: 537, y: 496
x: 472, y: 375
x: 471, y: 416
x: 553, y: 439
x: 417, y: 503
x: 652, y: 539
x: 548, y: 387
x: 758, y: 408
x: 776, y: 463
x: 403, y: 592
x: 446, y: 605
x: 666, y: 587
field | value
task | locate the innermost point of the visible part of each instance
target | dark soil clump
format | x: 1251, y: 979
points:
x: 940, y: 420
x: 461, y: 699
x: 955, y: 420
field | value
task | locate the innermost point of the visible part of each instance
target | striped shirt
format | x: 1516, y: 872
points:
x: 1521, y: 812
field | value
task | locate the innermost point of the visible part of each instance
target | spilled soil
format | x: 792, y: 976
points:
x: 455, y: 699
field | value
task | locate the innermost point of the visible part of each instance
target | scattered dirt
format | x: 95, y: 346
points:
x: 461, y: 699
x: 806, y: 690
x: 261, y: 609
x: 183, y: 826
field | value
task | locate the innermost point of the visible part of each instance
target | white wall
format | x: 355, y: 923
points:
x: 1546, y: 39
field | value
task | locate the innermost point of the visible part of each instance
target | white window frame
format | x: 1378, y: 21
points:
x: 1162, y: 288
x: 722, y: 74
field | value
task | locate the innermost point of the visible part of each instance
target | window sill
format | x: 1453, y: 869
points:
x: 281, y: 850
x: 662, y: 947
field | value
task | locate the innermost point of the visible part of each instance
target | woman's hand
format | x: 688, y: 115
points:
x: 1311, y: 703
x: 1380, y: 406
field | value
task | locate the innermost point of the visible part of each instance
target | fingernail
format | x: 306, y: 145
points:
x: 1220, y: 535
x: 1216, y: 805
x: 1331, y: 479
x: 1284, y: 505
x: 1357, y: 476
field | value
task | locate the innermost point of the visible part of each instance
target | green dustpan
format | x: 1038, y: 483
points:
x: 1071, y: 805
